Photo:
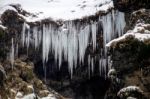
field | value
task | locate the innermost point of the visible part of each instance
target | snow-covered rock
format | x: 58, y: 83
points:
x: 19, y: 95
x: 2, y: 27
x: 131, y: 98
x: 141, y: 32
x: 127, y: 91
x: 58, y: 9
x: 112, y: 73
x: 30, y: 96
x: 50, y: 96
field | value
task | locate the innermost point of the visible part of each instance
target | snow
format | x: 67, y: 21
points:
x: 129, y: 89
x: 139, y: 32
x: 50, y: 96
x: 19, y: 95
x: 131, y: 98
x: 3, y: 8
x: 30, y: 96
x: 111, y: 72
x: 59, y: 9
x: 3, y: 27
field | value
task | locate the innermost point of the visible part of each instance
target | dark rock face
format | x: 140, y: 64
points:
x: 131, y: 5
x: 12, y: 20
x: 3, y: 48
x: 131, y: 59
x: 79, y: 87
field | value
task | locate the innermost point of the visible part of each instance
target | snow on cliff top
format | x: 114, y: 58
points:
x: 141, y: 32
x: 60, y: 9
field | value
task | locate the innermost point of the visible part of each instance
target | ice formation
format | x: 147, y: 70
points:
x: 12, y: 53
x: 70, y: 41
x: 113, y: 26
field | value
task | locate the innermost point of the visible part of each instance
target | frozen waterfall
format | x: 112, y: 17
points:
x: 70, y: 41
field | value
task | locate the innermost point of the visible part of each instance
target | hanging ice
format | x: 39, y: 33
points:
x: 70, y: 41
x: 102, y: 66
x: 94, y: 30
x: 113, y: 26
x: 12, y: 52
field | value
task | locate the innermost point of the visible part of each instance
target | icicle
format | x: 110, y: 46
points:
x: 92, y: 65
x: 107, y: 30
x: 12, y: 53
x: 113, y: 26
x: 35, y: 36
x: 23, y: 34
x: 119, y: 23
x: 16, y: 53
x: 83, y: 42
x: 45, y: 44
x: 89, y: 65
x: 28, y: 40
x: 94, y: 30
x: 100, y: 67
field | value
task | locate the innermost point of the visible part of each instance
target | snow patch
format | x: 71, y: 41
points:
x: 129, y: 89
x: 59, y: 9
x: 3, y: 27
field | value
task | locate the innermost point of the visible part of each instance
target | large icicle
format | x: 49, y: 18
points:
x: 119, y: 23
x: 113, y: 26
x: 12, y: 53
x: 94, y: 30
x: 24, y: 38
x: 83, y: 42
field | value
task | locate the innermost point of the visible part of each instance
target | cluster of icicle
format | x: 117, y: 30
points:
x: 70, y: 41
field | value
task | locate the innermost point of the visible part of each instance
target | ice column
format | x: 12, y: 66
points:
x: 12, y: 52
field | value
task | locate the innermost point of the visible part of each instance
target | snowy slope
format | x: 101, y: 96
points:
x: 60, y: 9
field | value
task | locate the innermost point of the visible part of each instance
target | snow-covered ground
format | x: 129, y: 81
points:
x: 59, y: 9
